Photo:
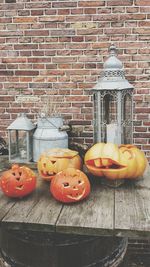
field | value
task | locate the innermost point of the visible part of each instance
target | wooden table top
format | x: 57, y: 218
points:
x: 121, y: 211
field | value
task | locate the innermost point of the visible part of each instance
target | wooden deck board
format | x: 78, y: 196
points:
x: 34, y: 212
x: 132, y: 207
x: 93, y: 215
x: 123, y: 211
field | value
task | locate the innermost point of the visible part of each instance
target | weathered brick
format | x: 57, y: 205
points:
x: 142, y: 3
x: 26, y: 73
x: 37, y: 33
x: 120, y: 2
x: 24, y: 20
x: 6, y: 73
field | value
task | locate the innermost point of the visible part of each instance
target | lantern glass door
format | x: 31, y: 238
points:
x: 127, y: 118
x: 19, y: 141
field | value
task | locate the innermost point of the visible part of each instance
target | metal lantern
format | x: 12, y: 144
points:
x: 113, y: 103
x: 20, y: 134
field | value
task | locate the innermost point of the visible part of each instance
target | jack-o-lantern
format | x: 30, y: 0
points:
x: 134, y: 159
x: 18, y: 182
x: 70, y: 185
x: 55, y: 160
x: 114, y: 162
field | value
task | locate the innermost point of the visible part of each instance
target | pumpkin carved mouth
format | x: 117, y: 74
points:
x: 20, y: 187
x: 47, y: 173
x: 78, y: 195
x: 115, y: 162
x: 104, y: 163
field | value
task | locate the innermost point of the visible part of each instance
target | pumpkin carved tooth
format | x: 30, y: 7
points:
x: 97, y: 162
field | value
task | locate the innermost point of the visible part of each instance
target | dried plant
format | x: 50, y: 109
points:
x: 51, y: 105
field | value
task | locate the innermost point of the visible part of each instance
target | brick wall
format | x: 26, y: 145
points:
x: 59, y: 46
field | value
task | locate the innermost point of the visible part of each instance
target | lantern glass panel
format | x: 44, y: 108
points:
x: 127, y: 118
x: 109, y: 118
x: 18, y: 145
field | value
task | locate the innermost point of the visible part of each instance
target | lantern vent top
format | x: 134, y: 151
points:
x: 113, y: 62
x: 21, y: 123
x: 112, y: 76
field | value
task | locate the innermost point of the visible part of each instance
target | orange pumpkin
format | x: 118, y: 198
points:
x: 114, y: 162
x: 18, y: 181
x: 57, y: 159
x: 70, y: 185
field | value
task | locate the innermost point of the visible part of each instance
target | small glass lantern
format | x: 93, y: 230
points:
x: 20, y: 134
x: 113, y: 103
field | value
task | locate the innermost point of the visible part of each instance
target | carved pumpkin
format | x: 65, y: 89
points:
x: 114, y: 162
x: 135, y: 160
x: 57, y: 159
x: 18, y: 181
x: 70, y: 185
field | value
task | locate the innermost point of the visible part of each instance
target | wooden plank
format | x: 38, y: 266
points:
x: 34, y: 212
x: 92, y: 216
x: 132, y: 208
x: 5, y: 202
x: 5, y: 205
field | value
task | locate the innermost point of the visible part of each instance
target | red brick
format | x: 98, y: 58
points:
x: 37, y: 12
x: 90, y: 10
x: 26, y: 73
x: 64, y: 4
x: 52, y: 18
x: 24, y: 20
x: 37, y: 33
x: 91, y: 3
x: 142, y: 3
x: 6, y: 73
x: 120, y: 2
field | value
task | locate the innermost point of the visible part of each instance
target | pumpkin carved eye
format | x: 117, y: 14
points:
x: 66, y: 184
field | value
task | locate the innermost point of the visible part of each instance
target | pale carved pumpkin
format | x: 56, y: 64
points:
x: 70, y: 185
x: 18, y: 182
x: 55, y: 160
x: 114, y: 162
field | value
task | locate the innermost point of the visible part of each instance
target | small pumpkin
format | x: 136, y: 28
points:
x: 18, y: 182
x: 55, y: 160
x: 70, y: 185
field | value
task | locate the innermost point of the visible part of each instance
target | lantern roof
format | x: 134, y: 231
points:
x: 21, y: 123
x: 112, y: 76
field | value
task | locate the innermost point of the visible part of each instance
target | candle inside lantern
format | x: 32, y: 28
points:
x: 23, y: 154
x: 112, y: 132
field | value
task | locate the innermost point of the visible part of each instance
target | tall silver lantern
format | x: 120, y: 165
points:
x: 113, y: 103
x: 20, y: 133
